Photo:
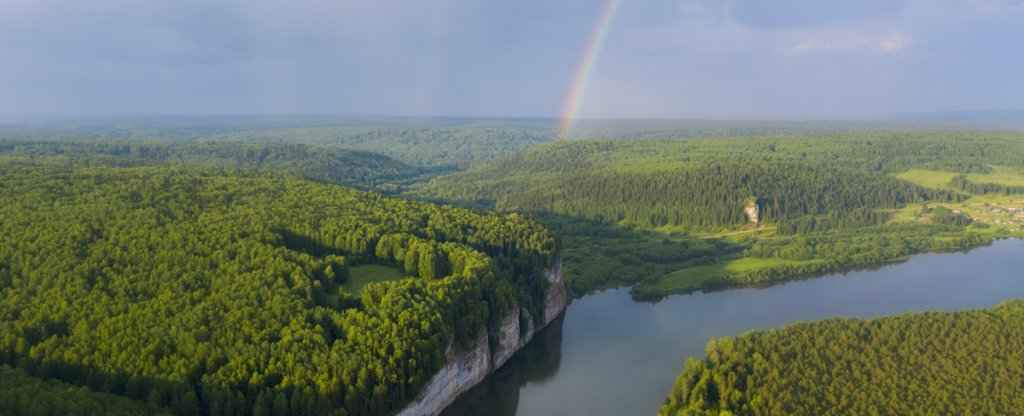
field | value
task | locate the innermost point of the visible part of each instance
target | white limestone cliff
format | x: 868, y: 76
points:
x: 556, y: 298
x: 459, y: 373
x: 463, y: 371
x: 511, y: 336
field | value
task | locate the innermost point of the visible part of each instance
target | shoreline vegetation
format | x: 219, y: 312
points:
x: 668, y: 216
x: 753, y: 271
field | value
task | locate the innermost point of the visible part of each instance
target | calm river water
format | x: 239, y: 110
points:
x: 611, y: 356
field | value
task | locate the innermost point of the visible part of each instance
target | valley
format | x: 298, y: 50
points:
x: 499, y: 208
x: 448, y: 265
x: 606, y: 338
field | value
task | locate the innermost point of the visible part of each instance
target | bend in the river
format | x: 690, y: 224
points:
x: 612, y: 356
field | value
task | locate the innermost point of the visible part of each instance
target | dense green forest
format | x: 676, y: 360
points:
x: 659, y: 196
x: 344, y: 167
x: 961, y: 183
x: 966, y: 362
x: 705, y: 184
x: 709, y: 196
x: 166, y: 128
x: 461, y: 143
x: 450, y: 147
x: 435, y: 144
x: 212, y: 266
x: 192, y: 128
x: 22, y: 394
x: 690, y: 129
x: 669, y: 216
x: 221, y: 290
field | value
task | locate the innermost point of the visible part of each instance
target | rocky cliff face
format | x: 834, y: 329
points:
x: 459, y: 373
x: 753, y: 213
x: 555, y: 298
x: 512, y: 336
x: 463, y: 371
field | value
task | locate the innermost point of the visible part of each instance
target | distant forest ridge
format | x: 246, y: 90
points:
x: 453, y: 143
x: 356, y: 168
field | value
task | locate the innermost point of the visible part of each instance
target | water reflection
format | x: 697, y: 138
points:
x: 498, y: 395
x: 620, y: 357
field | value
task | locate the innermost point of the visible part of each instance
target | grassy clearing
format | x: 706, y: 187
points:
x: 694, y: 278
x: 928, y: 178
x: 1001, y: 175
x: 359, y: 276
x: 938, y: 179
x: 992, y: 209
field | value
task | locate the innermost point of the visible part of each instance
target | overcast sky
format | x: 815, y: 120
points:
x: 796, y: 59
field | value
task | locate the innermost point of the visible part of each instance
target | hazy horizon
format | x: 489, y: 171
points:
x: 938, y: 116
x: 678, y: 60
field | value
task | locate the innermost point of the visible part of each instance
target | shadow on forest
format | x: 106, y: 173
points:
x: 537, y: 361
x: 297, y: 242
x: 191, y: 397
x: 155, y: 392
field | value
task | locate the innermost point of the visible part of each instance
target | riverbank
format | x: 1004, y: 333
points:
x: 602, y: 256
x: 855, y: 366
x: 607, y: 337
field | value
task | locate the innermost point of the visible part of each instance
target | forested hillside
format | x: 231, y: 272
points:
x: 705, y: 197
x: 431, y: 145
x: 705, y: 184
x: 345, y: 167
x: 163, y: 128
x: 441, y: 143
x: 825, y: 203
x: 222, y: 291
x: 690, y: 129
x: 941, y: 363
x: 436, y: 143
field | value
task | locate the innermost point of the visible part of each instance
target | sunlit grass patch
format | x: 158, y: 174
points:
x: 694, y: 278
x: 362, y: 274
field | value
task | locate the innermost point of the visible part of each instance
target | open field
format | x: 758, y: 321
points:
x: 362, y: 274
x: 938, y: 179
x: 1005, y: 213
x: 1001, y: 175
x: 928, y: 178
x: 695, y: 278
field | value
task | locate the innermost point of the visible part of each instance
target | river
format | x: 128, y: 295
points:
x: 610, y: 355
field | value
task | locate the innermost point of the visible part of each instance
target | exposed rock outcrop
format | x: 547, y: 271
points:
x: 463, y: 371
x: 555, y: 298
x: 753, y: 213
x: 512, y: 336
x: 459, y: 373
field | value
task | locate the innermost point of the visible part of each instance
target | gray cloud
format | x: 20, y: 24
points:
x: 921, y: 56
x: 779, y: 14
x: 691, y: 58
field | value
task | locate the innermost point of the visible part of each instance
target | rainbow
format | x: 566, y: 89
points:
x: 573, y: 101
